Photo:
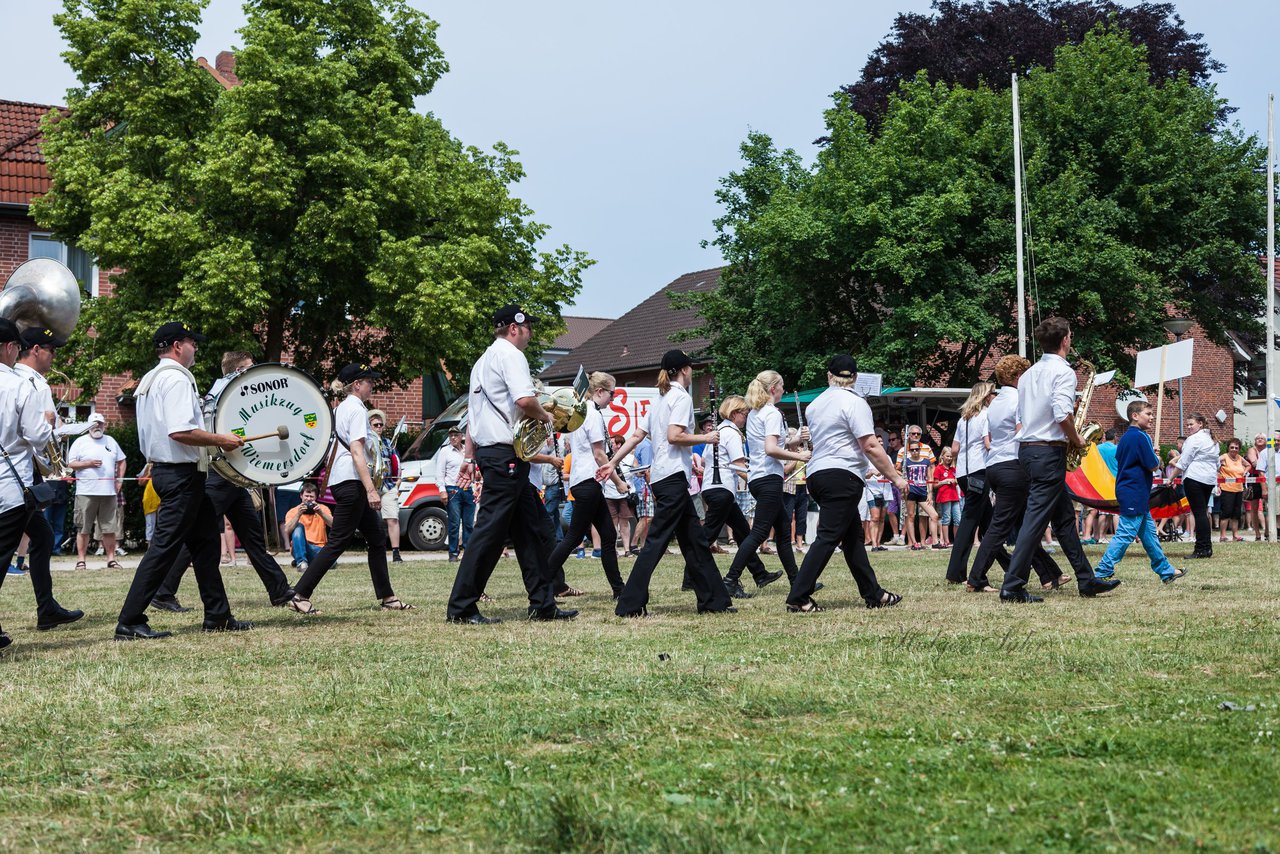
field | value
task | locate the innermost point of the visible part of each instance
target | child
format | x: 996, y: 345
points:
x: 948, y: 497
x: 918, y: 470
x: 1135, y: 460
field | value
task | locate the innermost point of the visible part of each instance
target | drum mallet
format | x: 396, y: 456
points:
x: 281, y: 432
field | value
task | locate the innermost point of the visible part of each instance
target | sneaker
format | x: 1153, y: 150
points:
x: 395, y: 556
x: 13, y: 570
x: 1103, y: 573
x: 582, y: 553
x: 595, y: 553
x: 302, y: 566
x: 453, y: 558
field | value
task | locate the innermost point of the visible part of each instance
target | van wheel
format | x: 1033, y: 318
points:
x: 429, y: 529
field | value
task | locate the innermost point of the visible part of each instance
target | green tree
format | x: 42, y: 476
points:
x: 309, y: 210
x: 899, y: 247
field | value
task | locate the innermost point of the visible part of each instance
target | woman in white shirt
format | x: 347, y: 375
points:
x: 970, y: 450
x: 357, y: 504
x: 766, y: 433
x: 1198, y: 466
x: 589, y: 445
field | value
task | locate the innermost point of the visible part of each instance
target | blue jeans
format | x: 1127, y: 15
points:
x: 553, y: 500
x: 1129, y: 529
x: 56, y: 515
x: 462, y: 512
x: 303, y: 550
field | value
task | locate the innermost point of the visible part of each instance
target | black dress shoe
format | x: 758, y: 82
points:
x: 230, y: 624
x: 168, y: 603
x: 736, y: 591
x: 729, y: 610
x: 5, y: 640
x: 818, y: 586
x: 476, y: 619
x: 634, y: 615
x: 60, y: 617
x: 140, y: 631
x: 557, y: 614
x: 766, y: 580
x: 1019, y: 596
x: 1095, y: 586
x: 1200, y: 555
x: 280, y: 601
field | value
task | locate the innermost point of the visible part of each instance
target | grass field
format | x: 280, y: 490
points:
x: 950, y: 722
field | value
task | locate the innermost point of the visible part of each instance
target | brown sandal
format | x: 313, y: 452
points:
x: 570, y: 591
x: 114, y: 564
x: 810, y: 607
x: 81, y: 565
x: 302, y: 606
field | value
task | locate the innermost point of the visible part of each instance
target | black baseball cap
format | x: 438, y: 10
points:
x: 509, y: 314
x: 843, y: 366
x: 674, y: 360
x: 42, y: 336
x: 9, y: 331
x: 175, y: 330
x: 354, y: 371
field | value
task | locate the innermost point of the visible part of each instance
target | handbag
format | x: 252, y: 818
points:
x: 976, y: 483
x: 38, y: 496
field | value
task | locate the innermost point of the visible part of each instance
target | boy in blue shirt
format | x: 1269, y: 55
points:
x: 1135, y: 460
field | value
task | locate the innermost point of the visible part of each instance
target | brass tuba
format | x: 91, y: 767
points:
x: 568, y: 412
x: 44, y: 292
x: 1090, y: 432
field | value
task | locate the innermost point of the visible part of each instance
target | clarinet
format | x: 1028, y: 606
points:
x: 715, y: 449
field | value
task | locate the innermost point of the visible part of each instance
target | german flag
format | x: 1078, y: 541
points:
x: 1093, y: 485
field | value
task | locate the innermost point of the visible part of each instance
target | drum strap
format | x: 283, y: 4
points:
x: 149, y: 379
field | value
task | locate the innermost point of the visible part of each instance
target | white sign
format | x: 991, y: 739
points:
x: 1177, y: 363
x: 867, y: 385
x: 1103, y: 378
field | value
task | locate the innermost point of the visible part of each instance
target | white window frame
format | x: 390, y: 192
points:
x: 48, y: 237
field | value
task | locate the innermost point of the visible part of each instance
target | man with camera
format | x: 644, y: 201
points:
x: 307, y: 527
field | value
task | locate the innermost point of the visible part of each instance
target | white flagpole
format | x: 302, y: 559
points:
x: 1270, y: 474
x: 1017, y: 213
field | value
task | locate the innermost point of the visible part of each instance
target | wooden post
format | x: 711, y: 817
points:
x: 1164, y: 351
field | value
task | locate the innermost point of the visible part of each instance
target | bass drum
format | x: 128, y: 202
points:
x: 261, y: 400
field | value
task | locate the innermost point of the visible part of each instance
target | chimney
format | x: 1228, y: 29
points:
x: 226, y: 65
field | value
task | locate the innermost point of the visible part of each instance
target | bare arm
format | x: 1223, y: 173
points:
x: 678, y: 434
x: 627, y: 447
x: 773, y: 449
x: 879, y: 459
x: 361, y: 463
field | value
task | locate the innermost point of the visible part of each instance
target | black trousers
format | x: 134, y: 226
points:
x: 1198, y: 495
x: 674, y: 516
x: 509, y: 509
x: 722, y: 509
x: 351, y: 512
x: 839, y: 524
x: 771, y: 512
x: 21, y: 521
x: 975, y: 519
x: 589, y: 510
x: 1009, y: 483
x: 235, y: 503
x: 185, y: 519
x: 1047, y: 505
x: 800, y: 509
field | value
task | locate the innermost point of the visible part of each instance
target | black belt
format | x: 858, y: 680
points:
x: 1044, y: 444
x: 508, y: 447
x: 173, y: 465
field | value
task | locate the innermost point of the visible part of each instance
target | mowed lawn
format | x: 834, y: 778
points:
x: 949, y: 722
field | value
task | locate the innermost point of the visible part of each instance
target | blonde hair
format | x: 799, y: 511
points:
x: 840, y: 382
x: 977, y: 400
x: 758, y: 391
x: 339, y: 389
x: 599, y: 380
x: 664, y: 382
x: 732, y: 404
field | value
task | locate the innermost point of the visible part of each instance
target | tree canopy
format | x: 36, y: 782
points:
x: 308, y: 211
x: 898, y: 246
x: 974, y: 42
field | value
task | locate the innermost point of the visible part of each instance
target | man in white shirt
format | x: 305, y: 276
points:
x: 171, y: 434
x: 99, y: 463
x: 460, y: 501
x: 501, y: 393
x: 1046, y: 411
x: 25, y: 360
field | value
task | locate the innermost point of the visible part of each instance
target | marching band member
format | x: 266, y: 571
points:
x: 26, y: 360
x: 588, y: 444
x: 766, y: 434
x: 171, y: 434
x: 357, y: 503
x: 969, y: 447
x: 722, y: 498
x: 844, y: 443
x: 236, y: 505
x: 501, y: 392
x: 670, y: 429
x: 1046, y: 411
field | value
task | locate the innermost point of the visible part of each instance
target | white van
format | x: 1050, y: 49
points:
x: 423, y: 516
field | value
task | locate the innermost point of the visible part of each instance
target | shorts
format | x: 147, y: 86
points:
x: 1229, y: 505
x: 949, y: 513
x: 391, y: 504
x: 644, y: 504
x: 919, y: 496
x: 100, y: 509
x: 619, y: 511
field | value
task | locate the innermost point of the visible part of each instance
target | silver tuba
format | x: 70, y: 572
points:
x: 44, y: 292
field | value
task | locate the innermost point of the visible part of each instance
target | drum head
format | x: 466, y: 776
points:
x: 262, y: 399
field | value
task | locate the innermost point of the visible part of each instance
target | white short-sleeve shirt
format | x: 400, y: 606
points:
x: 23, y: 428
x: 351, y: 422
x: 838, y: 421
x: 730, y: 451
x: 584, y: 465
x: 171, y: 405
x: 500, y: 378
x: 763, y: 422
x: 674, y: 407
x: 99, y: 480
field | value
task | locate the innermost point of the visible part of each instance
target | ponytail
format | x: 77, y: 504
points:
x: 338, y: 389
x: 758, y: 391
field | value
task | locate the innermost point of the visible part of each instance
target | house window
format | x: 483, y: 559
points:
x: 1255, y: 379
x: 81, y: 263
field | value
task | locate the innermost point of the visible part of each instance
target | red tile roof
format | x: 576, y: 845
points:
x: 638, y: 339
x: 22, y: 171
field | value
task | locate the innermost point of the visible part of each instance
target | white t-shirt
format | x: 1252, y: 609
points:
x: 584, y: 465
x: 99, y: 480
x: 448, y: 466
x: 730, y: 452
x: 674, y: 407
x: 1199, y: 460
x: 499, y: 378
x: 351, y: 422
x: 1002, y: 426
x: 171, y: 405
x: 970, y: 435
x: 838, y: 421
x: 762, y: 422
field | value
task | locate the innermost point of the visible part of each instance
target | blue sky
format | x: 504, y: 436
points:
x: 626, y: 116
